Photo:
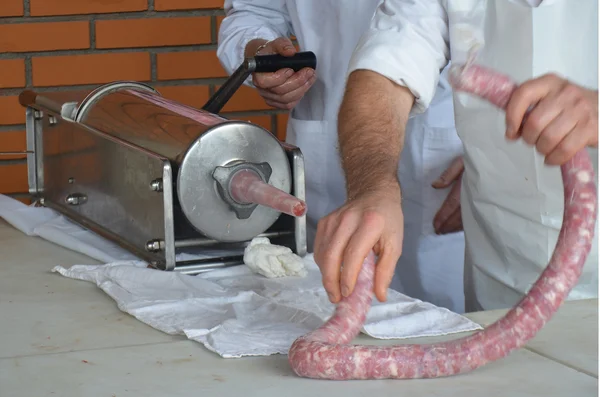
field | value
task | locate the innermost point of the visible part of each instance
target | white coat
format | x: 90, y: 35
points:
x: 512, y: 204
x: 431, y: 266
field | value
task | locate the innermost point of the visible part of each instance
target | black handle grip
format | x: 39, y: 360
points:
x: 273, y: 63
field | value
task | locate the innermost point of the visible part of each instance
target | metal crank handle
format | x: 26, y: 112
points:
x: 257, y: 64
x: 275, y: 62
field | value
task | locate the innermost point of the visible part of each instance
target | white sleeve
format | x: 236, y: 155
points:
x: 247, y: 20
x: 407, y: 43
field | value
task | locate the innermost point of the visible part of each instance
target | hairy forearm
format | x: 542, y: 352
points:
x: 372, y: 121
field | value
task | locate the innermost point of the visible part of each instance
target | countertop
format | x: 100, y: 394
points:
x: 62, y: 337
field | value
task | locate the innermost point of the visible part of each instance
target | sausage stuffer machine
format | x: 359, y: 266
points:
x: 157, y: 177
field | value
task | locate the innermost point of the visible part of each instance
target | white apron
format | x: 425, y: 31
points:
x: 512, y: 203
x: 431, y: 266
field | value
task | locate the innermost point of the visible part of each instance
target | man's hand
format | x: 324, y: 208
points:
x: 282, y: 89
x: 371, y: 125
x: 448, y: 219
x: 556, y: 116
x: 373, y: 221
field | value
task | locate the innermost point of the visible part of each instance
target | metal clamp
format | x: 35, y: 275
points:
x: 222, y: 175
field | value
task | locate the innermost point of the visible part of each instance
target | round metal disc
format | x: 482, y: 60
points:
x: 99, y: 92
x: 197, y: 190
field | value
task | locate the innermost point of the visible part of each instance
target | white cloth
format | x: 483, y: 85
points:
x: 271, y: 260
x: 431, y: 266
x: 512, y: 204
x: 233, y: 312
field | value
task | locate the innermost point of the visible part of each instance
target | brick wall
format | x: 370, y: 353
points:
x: 63, y: 44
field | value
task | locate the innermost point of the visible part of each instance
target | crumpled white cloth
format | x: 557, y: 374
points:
x: 232, y: 312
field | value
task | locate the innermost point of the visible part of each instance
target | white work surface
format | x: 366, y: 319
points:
x: 62, y: 337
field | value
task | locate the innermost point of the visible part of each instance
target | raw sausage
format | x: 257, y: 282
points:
x: 326, y: 353
x: 247, y: 187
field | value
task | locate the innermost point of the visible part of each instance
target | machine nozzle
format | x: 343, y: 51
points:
x: 247, y: 187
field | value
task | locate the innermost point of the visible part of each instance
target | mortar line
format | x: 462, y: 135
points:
x: 12, y: 161
x: 18, y: 194
x: 274, y: 127
x: 28, y: 71
x: 148, y: 14
x: 88, y: 51
x: 26, y: 8
x: 93, y: 33
x: 11, y: 128
x: 214, y: 34
x: 153, y: 67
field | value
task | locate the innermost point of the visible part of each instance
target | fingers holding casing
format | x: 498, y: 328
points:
x: 566, y: 148
x: 362, y: 241
x: 525, y: 97
x: 334, y: 242
x: 389, y: 253
x: 540, y: 117
x: 556, y: 132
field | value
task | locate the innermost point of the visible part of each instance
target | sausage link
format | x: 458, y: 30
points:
x: 246, y: 186
x: 326, y: 353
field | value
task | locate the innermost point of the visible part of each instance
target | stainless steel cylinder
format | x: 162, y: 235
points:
x: 197, y: 143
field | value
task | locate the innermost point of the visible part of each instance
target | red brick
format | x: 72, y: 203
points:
x: 12, y: 73
x: 189, y: 65
x: 24, y: 199
x: 282, y: 121
x: 13, y: 178
x: 263, y: 121
x: 44, y: 36
x: 152, y: 32
x: 193, y: 95
x: 219, y: 20
x: 246, y: 98
x: 72, y: 7
x: 11, y: 8
x: 12, y: 141
x: 165, y: 5
x: 90, y: 69
x: 11, y: 111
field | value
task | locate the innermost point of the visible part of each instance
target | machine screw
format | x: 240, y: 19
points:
x: 38, y: 115
x: 71, y: 180
x: 76, y: 199
x: 155, y: 245
x: 52, y: 120
x: 157, y: 185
